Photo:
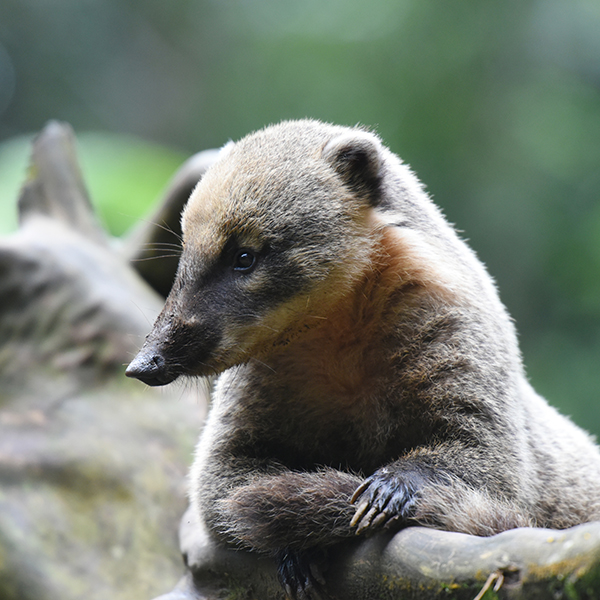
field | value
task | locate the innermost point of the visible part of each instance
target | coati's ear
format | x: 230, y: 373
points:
x: 356, y: 156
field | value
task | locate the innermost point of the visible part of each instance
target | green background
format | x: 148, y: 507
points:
x: 496, y: 105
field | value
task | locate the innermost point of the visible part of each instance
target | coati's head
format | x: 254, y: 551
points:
x: 275, y: 234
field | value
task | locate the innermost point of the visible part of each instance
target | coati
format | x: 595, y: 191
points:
x: 369, y: 375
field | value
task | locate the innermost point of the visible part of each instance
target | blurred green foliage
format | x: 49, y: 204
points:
x: 495, y: 105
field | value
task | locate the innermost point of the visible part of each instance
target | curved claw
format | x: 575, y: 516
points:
x: 299, y: 576
x: 385, y: 499
x: 360, y: 489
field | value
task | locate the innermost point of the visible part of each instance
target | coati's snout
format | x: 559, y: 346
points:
x: 183, y: 341
x: 150, y: 368
x: 175, y: 349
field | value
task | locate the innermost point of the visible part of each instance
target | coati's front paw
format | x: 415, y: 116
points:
x: 385, y: 499
x: 300, y: 575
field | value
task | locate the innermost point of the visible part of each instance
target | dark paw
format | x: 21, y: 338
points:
x: 300, y: 575
x: 386, y: 499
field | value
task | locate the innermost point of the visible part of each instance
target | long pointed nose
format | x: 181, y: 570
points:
x: 151, y: 368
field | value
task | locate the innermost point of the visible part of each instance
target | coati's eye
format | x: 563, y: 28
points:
x: 244, y: 261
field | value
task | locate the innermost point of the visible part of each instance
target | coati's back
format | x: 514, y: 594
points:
x: 360, y: 337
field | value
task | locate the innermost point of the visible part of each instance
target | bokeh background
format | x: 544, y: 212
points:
x: 496, y: 105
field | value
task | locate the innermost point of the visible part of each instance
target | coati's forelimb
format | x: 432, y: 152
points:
x: 291, y: 511
x: 297, y: 511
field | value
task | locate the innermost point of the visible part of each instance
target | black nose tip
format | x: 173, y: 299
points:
x: 150, y: 368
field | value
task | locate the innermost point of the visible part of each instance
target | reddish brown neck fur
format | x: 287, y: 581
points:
x: 342, y: 350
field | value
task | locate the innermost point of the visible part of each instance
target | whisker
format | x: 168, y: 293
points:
x: 174, y: 249
x: 164, y: 227
x: 169, y: 230
x: 142, y: 312
x: 260, y: 362
x: 160, y: 249
x: 155, y: 257
x: 161, y: 245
